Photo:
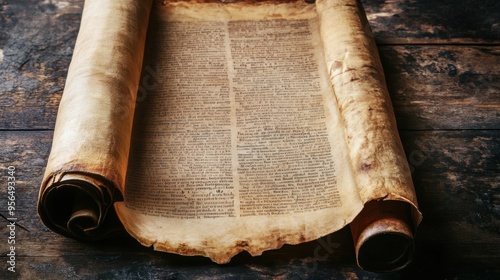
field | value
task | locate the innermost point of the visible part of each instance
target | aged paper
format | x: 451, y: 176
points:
x: 240, y: 146
x: 87, y: 165
x: 255, y: 124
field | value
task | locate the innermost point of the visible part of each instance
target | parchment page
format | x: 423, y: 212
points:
x: 255, y: 124
x: 238, y: 144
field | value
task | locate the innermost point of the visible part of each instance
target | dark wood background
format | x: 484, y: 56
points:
x: 441, y: 59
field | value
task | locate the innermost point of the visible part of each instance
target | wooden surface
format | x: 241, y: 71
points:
x: 441, y: 59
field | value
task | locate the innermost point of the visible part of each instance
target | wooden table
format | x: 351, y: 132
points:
x: 441, y: 59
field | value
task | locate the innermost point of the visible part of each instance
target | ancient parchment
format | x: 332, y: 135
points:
x: 254, y: 124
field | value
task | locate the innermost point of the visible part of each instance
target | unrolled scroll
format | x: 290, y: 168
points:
x: 254, y: 124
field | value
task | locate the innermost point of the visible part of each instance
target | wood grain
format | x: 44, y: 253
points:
x: 34, y: 67
x: 456, y: 175
x: 444, y: 87
x: 434, y: 22
x: 441, y: 63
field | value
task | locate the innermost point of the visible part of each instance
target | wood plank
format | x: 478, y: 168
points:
x: 36, y: 46
x: 434, y: 22
x: 456, y: 175
x: 393, y: 22
x: 444, y: 87
x: 156, y: 267
x: 432, y: 87
x: 457, y: 180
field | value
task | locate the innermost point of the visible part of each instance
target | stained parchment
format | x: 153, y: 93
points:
x: 254, y: 124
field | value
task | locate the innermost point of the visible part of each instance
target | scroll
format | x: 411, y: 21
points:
x: 210, y: 128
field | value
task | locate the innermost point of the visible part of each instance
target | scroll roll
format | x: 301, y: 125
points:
x: 79, y: 206
x: 87, y: 165
x: 383, y: 231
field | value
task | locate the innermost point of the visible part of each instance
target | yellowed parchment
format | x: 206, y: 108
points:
x: 87, y: 165
x: 257, y: 124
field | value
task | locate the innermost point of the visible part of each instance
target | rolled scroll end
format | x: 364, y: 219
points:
x: 383, y: 236
x: 77, y: 206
